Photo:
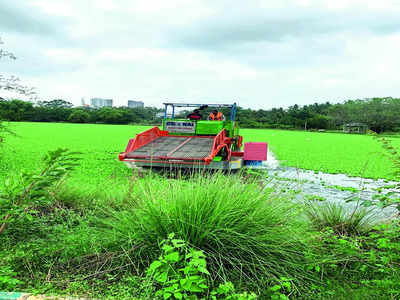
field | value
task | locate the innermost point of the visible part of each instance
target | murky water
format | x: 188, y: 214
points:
x: 323, y: 186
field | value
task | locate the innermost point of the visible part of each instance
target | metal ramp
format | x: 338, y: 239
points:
x: 155, y: 147
x: 175, y: 147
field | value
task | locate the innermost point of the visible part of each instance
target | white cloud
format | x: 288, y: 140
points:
x: 262, y: 54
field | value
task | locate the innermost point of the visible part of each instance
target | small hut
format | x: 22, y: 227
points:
x: 355, y: 128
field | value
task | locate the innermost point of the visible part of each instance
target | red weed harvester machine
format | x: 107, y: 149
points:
x: 193, y: 144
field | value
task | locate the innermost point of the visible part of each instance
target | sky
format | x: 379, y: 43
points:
x: 260, y: 54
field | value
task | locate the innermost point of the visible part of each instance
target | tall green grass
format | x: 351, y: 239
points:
x: 247, y: 234
x: 344, y: 220
x: 100, y: 241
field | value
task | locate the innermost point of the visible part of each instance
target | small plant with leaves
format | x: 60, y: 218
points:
x: 8, y: 280
x: 179, y: 271
x: 227, y: 291
x: 281, y: 289
x: 25, y: 191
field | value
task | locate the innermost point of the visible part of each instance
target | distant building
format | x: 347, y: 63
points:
x: 133, y: 104
x: 100, y: 102
x: 355, y: 128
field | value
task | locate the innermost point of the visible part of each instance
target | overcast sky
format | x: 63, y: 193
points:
x: 261, y: 54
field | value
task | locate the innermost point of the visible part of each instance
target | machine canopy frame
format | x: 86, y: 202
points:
x: 233, y: 107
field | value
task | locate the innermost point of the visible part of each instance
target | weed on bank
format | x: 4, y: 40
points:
x: 101, y: 243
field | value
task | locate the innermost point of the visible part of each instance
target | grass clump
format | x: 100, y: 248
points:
x: 246, y: 233
x: 342, y: 219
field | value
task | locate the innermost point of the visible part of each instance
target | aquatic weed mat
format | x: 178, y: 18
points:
x: 335, y: 153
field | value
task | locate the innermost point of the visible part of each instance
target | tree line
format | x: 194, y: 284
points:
x: 59, y: 110
x: 379, y: 114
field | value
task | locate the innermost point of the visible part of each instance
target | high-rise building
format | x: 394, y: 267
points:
x: 100, y: 102
x: 133, y: 104
x: 108, y: 102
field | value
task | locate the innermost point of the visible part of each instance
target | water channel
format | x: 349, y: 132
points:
x: 327, y: 187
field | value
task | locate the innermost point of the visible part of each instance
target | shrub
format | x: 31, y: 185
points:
x: 25, y: 191
x: 7, y: 278
x: 79, y: 116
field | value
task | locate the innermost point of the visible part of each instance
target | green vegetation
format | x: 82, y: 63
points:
x: 355, y: 155
x: 108, y: 244
x: 342, y: 220
x: 390, y: 199
x: 379, y: 114
x: 59, y: 110
x: 23, y: 191
x: 99, y: 230
x: 100, y: 145
x: 181, y: 272
x: 90, y: 227
x: 247, y: 233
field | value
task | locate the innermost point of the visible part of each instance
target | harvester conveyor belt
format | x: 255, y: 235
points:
x: 173, y: 147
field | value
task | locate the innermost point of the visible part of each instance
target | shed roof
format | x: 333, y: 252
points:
x: 355, y: 125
